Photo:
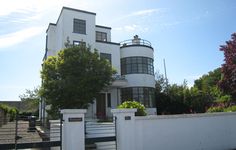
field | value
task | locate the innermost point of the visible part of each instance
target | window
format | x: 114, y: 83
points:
x: 79, y: 26
x: 142, y: 65
x: 101, y: 36
x: 108, y: 99
x: 144, y: 95
x: 77, y: 43
x: 106, y: 56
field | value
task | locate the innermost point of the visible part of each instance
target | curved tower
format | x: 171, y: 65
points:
x: 137, y: 67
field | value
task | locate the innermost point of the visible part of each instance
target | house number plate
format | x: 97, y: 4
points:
x: 75, y: 119
x: 127, y: 117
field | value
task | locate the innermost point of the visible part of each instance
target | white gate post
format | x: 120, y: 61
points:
x: 73, y: 137
x: 125, y: 124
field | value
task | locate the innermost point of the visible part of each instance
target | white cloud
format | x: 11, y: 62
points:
x: 132, y: 28
x: 11, y: 39
x: 144, y: 12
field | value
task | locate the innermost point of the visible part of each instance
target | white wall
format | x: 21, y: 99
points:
x: 112, y: 49
x: 145, y: 80
x: 186, y: 132
x: 136, y: 51
x: 176, y: 132
x: 108, y: 31
x: 68, y: 17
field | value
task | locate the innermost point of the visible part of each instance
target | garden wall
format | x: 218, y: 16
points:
x: 184, y: 132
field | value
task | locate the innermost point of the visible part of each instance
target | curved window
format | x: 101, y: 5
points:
x: 136, y: 65
x: 144, y: 95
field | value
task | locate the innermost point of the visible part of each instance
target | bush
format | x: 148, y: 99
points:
x: 5, y: 108
x: 222, y: 109
x: 141, y: 110
x: 13, y: 112
x: 230, y: 109
x: 215, y: 109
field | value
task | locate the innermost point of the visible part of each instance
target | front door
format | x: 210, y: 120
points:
x: 101, y: 105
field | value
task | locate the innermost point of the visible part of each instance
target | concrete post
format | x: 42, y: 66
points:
x: 125, y: 123
x: 73, y: 137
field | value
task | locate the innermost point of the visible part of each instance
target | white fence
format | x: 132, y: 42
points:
x: 183, y: 132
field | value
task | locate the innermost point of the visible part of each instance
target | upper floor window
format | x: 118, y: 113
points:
x: 101, y: 36
x: 137, y: 65
x: 106, y: 56
x: 79, y: 26
x: 77, y: 43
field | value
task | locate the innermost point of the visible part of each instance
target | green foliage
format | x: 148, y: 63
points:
x: 5, y: 108
x: 177, y: 99
x: 12, y: 113
x: 221, y: 109
x: 230, y: 109
x: 141, y: 110
x: 215, y: 109
x: 30, y: 100
x: 9, y: 110
x: 73, y: 78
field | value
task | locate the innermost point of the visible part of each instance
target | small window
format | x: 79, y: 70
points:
x: 106, y: 56
x: 101, y: 36
x: 77, y: 43
x: 108, y: 99
x: 79, y: 26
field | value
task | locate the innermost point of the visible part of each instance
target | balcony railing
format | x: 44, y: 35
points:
x: 118, y: 77
x: 135, y: 42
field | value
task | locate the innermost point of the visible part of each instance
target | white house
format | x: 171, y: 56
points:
x: 133, y: 59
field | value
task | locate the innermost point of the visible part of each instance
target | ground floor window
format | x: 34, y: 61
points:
x: 144, y: 95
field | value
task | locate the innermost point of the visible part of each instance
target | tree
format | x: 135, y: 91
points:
x: 74, y: 77
x: 228, y: 81
x: 30, y: 100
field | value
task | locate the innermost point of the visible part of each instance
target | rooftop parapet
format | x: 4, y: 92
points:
x: 135, y: 41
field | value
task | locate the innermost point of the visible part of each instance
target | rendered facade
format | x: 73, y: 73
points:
x: 132, y: 59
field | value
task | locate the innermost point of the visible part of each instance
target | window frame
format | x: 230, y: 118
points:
x: 101, y: 36
x: 144, y: 95
x: 79, y: 26
x: 137, y: 65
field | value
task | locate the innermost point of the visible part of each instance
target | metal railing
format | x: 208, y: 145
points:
x: 118, y: 77
x: 135, y: 42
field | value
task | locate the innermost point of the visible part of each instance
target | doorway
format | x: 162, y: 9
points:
x: 101, y: 105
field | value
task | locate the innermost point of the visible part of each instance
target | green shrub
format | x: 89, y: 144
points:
x: 5, y: 108
x: 215, y: 109
x: 141, y: 110
x: 222, y: 109
x: 230, y: 109
x: 13, y: 112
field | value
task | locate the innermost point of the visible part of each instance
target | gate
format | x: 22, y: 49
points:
x: 100, y: 135
x: 25, y: 132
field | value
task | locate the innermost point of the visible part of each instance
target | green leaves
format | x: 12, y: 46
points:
x: 73, y: 78
x: 133, y: 104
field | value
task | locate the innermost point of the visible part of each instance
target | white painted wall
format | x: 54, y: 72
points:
x: 68, y: 17
x: 112, y: 49
x: 182, y: 132
x: 108, y: 31
x: 136, y: 51
x: 73, y: 137
x: 145, y: 80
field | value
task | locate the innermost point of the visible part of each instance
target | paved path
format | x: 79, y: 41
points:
x: 7, y: 133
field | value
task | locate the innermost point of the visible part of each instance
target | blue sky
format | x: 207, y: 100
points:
x: 186, y: 33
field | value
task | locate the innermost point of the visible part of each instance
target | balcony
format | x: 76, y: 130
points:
x: 136, y: 41
x: 119, y: 81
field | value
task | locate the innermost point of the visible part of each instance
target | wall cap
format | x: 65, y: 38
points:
x: 54, y: 121
x: 182, y: 116
x: 73, y: 111
x: 125, y: 110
